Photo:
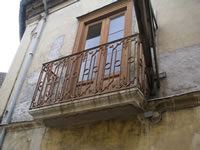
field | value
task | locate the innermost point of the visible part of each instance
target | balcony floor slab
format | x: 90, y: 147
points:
x: 101, y: 107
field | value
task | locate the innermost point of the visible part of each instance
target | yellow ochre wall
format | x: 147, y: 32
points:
x: 178, y: 130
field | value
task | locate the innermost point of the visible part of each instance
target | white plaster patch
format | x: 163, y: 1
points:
x: 195, y: 142
x: 56, y: 47
x: 21, y: 112
x: 36, y: 139
x: 23, y: 104
x: 33, y: 79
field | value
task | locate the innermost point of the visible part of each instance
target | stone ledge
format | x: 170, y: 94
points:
x: 176, y: 102
x: 24, y: 125
x: 106, y: 106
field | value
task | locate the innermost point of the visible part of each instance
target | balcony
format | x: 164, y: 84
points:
x: 104, y: 77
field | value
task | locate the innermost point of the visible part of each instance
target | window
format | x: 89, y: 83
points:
x: 99, y: 27
x: 102, y: 20
x: 116, y: 31
x: 92, y: 40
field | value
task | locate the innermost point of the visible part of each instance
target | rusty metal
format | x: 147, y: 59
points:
x: 91, y: 72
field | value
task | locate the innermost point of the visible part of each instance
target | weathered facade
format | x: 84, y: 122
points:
x: 2, y: 77
x: 110, y: 110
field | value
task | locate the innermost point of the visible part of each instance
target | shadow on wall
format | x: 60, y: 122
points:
x: 182, y: 68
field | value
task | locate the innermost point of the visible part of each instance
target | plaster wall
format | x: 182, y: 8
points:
x: 178, y: 22
x: 177, y: 130
x: 15, y: 69
x: 57, y: 40
x: 28, y: 139
x: 58, y: 37
x: 182, y: 69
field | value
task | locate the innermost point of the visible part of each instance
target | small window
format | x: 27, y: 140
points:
x: 103, y: 26
x: 93, y: 36
x: 116, y: 28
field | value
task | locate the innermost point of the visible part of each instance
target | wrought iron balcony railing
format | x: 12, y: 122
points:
x: 110, y: 67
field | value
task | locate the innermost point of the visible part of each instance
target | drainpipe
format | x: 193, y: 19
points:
x: 45, y: 6
x: 26, y: 67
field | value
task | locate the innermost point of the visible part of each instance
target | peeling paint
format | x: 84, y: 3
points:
x: 56, y: 47
x: 23, y: 104
x: 33, y: 79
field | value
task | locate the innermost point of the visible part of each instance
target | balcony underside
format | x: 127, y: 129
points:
x: 102, y: 107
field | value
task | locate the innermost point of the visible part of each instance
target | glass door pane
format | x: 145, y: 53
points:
x: 87, y: 64
x: 116, y: 31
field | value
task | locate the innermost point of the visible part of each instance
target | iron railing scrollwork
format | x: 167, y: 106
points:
x: 109, y: 67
